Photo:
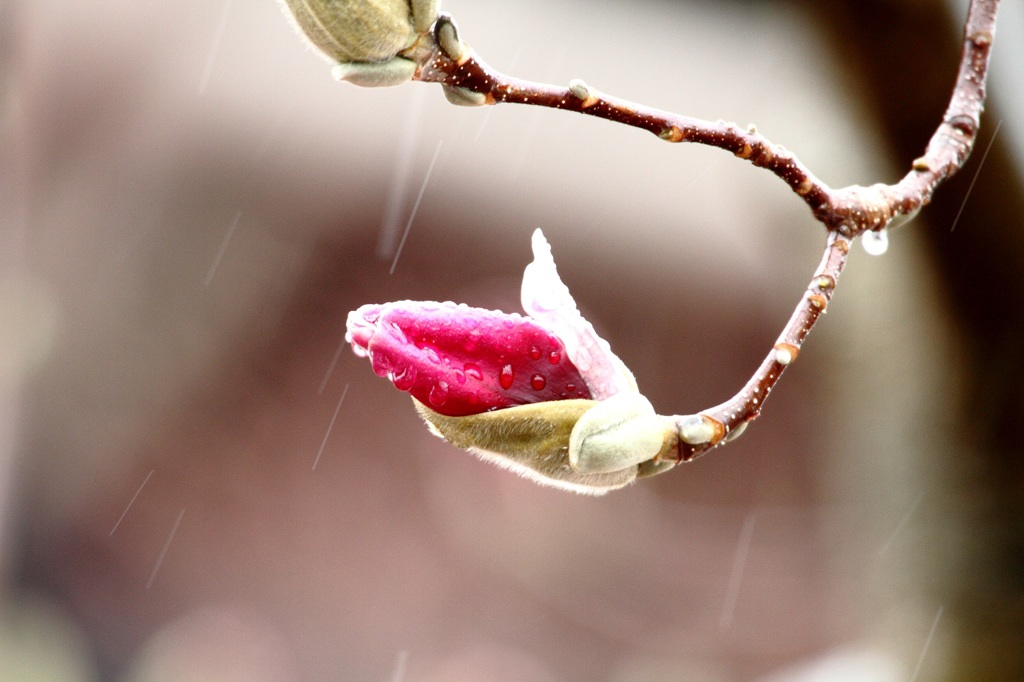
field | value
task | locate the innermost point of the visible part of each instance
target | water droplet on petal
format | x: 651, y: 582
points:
x: 404, y: 378
x: 381, y: 365
x: 535, y: 353
x: 875, y: 243
x: 538, y: 382
x: 430, y: 353
x: 555, y: 357
x: 473, y: 371
x: 399, y: 332
x: 439, y: 394
x: 506, y: 376
x: 460, y: 376
x: 571, y: 388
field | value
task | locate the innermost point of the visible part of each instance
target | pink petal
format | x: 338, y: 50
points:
x: 459, y: 360
x: 548, y: 301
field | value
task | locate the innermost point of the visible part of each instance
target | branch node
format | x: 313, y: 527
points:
x: 981, y: 38
x: 672, y: 134
x: 745, y: 151
x: 446, y: 34
x: 921, y: 164
x: 581, y: 91
x: 963, y: 123
x: 736, y: 431
x: 786, y: 353
x: 700, y: 429
x: 825, y: 282
x: 765, y: 157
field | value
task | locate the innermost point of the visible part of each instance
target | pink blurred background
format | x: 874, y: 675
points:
x: 191, y: 206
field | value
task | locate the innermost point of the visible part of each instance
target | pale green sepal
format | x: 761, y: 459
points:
x: 619, y: 433
x: 464, y: 97
x: 531, y: 440
x: 653, y: 467
x: 424, y: 14
x: 376, y: 74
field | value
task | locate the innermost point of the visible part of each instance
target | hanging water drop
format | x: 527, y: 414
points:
x: 381, y: 365
x: 875, y: 242
x: 404, y: 378
x: 439, y: 394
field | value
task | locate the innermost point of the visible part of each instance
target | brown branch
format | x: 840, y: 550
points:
x: 954, y: 139
x: 471, y: 74
x: 848, y: 210
x: 947, y: 151
x: 729, y: 420
x: 845, y: 212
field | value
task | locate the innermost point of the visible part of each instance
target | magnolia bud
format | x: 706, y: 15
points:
x: 365, y: 35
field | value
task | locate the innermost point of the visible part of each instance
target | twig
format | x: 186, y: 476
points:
x: 848, y: 210
x: 845, y: 212
x: 731, y: 417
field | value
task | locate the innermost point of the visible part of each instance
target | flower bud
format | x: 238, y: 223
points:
x: 362, y: 30
x: 517, y: 390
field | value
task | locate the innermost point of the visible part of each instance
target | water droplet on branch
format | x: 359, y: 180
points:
x: 875, y: 243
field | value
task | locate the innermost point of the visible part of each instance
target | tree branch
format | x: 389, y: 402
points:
x: 849, y: 210
x: 730, y: 419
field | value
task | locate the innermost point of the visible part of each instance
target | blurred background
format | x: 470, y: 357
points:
x: 198, y: 480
